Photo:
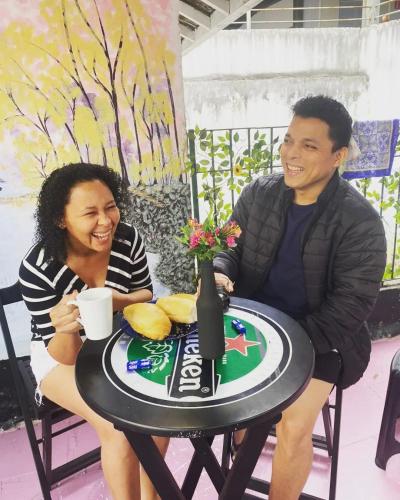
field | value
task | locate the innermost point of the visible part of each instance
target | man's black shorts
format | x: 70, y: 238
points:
x: 327, y: 367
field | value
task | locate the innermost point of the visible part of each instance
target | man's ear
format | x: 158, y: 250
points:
x: 341, y: 155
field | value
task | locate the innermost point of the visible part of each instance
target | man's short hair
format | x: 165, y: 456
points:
x: 330, y: 111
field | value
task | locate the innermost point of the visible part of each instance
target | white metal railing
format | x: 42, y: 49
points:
x: 370, y: 14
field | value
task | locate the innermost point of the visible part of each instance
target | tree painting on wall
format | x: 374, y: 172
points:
x: 91, y: 80
x: 94, y: 81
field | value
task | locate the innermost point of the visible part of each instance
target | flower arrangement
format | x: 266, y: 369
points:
x: 206, y: 240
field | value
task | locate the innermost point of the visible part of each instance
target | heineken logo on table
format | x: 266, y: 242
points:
x: 191, y: 375
x: 179, y: 374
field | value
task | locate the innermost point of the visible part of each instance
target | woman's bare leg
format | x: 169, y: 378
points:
x: 147, y: 490
x: 119, y: 462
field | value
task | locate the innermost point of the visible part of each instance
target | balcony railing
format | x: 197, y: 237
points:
x: 223, y: 161
x: 357, y: 15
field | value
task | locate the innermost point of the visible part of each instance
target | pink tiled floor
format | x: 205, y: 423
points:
x: 358, y: 477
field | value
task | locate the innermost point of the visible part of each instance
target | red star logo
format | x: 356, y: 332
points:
x: 239, y: 343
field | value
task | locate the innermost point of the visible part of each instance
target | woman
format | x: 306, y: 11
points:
x: 82, y: 243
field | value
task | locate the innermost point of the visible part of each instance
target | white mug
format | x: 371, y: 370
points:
x: 96, y: 312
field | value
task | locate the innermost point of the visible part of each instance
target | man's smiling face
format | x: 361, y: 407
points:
x: 308, y: 158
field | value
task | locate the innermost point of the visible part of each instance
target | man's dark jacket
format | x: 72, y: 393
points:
x: 344, y: 256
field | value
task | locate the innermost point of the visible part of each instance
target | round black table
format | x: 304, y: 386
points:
x: 260, y: 375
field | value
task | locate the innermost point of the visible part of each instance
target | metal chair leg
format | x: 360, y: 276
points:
x: 336, y: 438
x: 226, y: 452
x: 37, y: 458
x: 326, y: 417
x: 47, y: 446
x: 44, y: 484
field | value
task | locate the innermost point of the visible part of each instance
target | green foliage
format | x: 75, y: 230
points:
x: 227, y: 161
x: 226, y: 166
x: 387, y: 201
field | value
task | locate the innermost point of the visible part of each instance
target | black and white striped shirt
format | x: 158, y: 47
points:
x: 44, y: 282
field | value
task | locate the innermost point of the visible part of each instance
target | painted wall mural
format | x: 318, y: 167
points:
x: 97, y: 81
x: 92, y: 80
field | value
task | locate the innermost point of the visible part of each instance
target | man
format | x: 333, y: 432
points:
x: 314, y: 248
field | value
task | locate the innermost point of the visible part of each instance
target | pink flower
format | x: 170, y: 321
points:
x: 237, y: 232
x: 231, y: 241
x: 231, y: 229
x: 205, y: 240
x: 210, y: 241
x: 194, y: 240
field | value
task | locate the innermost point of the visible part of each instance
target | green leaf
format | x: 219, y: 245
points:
x: 236, y: 137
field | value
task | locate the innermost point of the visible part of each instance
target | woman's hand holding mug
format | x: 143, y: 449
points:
x: 64, y: 316
x: 95, y: 312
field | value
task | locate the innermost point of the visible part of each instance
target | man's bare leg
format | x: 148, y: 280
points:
x: 293, y: 455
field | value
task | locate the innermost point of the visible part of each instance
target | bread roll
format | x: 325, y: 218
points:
x: 187, y: 296
x: 148, y: 320
x: 180, y: 307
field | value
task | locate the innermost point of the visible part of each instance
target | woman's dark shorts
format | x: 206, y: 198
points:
x: 327, y: 367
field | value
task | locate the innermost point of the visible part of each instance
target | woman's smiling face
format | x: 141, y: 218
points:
x: 308, y: 158
x: 90, y: 218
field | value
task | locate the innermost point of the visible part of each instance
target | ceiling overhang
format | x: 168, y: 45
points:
x: 200, y: 19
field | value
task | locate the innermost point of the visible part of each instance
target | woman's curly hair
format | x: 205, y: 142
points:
x: 54, y: 196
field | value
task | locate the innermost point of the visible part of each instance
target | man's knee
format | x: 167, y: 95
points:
x: 294, y: 433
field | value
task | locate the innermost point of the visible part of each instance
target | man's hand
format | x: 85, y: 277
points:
x: 220, y: 280
x: 223, y: 280
x: 64, y: 316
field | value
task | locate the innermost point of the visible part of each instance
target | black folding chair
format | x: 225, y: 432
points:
x: 48, y: 413
x: 388, y: 445
x: 329, y: 442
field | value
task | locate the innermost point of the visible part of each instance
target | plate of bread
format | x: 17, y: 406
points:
x: 169, y: 317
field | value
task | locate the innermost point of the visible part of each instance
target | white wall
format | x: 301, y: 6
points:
x: 251, y: 78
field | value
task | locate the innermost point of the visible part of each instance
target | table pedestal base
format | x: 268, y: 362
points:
x: 228, y: 486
